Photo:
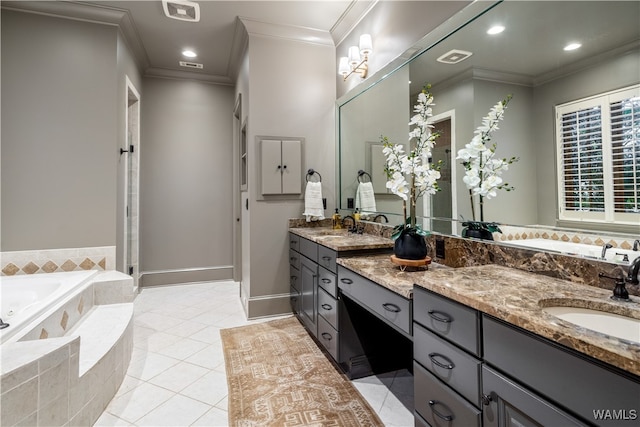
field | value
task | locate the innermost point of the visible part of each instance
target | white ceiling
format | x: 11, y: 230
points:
x: 157, y: 41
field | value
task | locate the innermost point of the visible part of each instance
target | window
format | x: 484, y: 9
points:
x: 598, y: 153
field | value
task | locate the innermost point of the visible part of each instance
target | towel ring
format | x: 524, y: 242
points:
x: 312, y: 172
x: 361, y: 172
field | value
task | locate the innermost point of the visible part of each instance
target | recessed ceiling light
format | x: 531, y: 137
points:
x: 572, y: 46
x: 496, y: 29
x: 189, y: 53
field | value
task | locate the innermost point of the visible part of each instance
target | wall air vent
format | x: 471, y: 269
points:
x: 454, y: 56
x: 191, y: 64
x: 181, y: 9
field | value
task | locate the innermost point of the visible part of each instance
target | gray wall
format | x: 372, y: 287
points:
x: 186, y: 212
x: 608, y: 75
x: 59, y: 125
x: 283, y: 103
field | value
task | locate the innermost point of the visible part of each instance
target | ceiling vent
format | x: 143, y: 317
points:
x: 182, y: 10
x: 454, y: 56
x: 191, y: 65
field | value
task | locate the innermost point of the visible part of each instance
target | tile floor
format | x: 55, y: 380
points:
x: 177, y: 376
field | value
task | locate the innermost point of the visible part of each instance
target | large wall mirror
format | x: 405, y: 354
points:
x: 528, y: 61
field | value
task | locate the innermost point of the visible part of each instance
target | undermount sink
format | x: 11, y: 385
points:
x: 615, y: 325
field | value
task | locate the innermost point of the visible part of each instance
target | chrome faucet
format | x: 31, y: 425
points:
x: 634, y: 270
x: 604, y: 249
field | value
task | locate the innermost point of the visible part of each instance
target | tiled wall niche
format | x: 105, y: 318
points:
x: 56, y: 260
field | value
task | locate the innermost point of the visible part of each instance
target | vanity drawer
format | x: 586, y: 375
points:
x: 447, y: 318
x: 327, y: 281
x: 438, y: 404
x: 327, y: 258
x: 328, y: 337
x: 309, y: 249
x: 328, y: 307
x: 294, y: 259
x: 294, y: 277
x: 388, y: 305
x: 451, y: 365
x: 294, y: 242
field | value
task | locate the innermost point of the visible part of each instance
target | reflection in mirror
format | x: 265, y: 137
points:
x: 526, y: 60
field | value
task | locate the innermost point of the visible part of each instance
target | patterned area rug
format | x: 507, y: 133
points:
x: 278, y: 376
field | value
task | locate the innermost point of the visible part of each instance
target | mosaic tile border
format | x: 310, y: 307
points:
x: 523, y: 233
x: 57, y: 260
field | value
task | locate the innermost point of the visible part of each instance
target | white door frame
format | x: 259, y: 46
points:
x: 132, y: 96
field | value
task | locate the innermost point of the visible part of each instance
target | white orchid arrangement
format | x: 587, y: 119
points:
x: 483, y: 169
x: 411, y: 175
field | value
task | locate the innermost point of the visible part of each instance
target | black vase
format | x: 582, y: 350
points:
x: 410, y: 245
x: 478, y: 234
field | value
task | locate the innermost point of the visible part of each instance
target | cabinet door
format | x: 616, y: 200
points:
x: 309, y: 275
x: 509, y: 404
x: 271, y: 165
x: 291, y: 167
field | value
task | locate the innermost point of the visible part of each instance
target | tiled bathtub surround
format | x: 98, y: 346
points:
x: 522, y: 233
x: 66, y: 368
x: 56, y: 260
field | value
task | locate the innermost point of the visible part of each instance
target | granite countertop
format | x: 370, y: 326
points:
x: 341, y: 240
x: 516, y: 297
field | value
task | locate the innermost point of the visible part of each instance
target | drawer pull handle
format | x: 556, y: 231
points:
x: 391, y: 307
x: 326, y: 258
x: 327, y: 336
x: 346, y: 281
x: 433, y: 403
x: 294, y: 278
x: 327, y: 307
x: 325, y: 280
x: 447, y: 365
x: 293, y: 242
x: 439, y: 316
x: 293, y: 258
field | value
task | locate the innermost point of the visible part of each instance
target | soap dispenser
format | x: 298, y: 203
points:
x: 337, y: 221
x: 356, y: 215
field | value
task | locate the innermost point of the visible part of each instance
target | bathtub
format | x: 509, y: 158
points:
x: 581, y: 249
x: 68, y: 346
x: 24, y: 298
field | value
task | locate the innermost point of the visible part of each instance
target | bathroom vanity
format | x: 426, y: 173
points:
x: 483, y: 350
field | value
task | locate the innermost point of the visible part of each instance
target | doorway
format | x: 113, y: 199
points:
x: 132, y: 184
x: 441, y: 206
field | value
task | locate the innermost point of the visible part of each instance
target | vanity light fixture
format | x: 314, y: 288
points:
x: 496, y: 29
x: 189, y: 53
x: 572, y: 46
x: 354, y: 63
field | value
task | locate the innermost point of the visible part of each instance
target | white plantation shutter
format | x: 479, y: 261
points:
x: 625, y: 154
x: 598, y: 144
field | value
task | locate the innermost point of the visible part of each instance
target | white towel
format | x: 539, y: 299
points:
x: 365, y: 199
x: 313, y: 207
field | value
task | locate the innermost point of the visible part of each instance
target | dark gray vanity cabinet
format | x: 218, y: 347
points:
x: 312, y: 270
x: 591, y: 391
x: 447, y: 363
x: 295, y: 280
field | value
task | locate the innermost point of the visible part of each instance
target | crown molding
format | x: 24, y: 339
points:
x: 351, y: 17
x: 165, y: 73
x: 289, y: 32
